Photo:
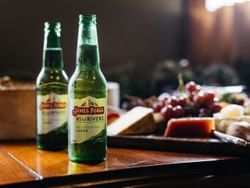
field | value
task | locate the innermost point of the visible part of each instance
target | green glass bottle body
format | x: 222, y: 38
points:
x: 51, y: 93
x: 87, y: 93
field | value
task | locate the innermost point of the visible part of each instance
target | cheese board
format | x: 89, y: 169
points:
x: 213, y: 145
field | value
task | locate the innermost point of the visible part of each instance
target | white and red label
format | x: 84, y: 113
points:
x: 87, y: 118
x: 51, y: 112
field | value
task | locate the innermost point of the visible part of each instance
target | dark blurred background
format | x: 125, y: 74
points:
x: 142, y: 43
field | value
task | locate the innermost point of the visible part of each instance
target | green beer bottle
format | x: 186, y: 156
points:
x: 87, y: 98
x: 51, y: 93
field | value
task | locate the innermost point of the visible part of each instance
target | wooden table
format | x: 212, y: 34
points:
x: 23, y: 165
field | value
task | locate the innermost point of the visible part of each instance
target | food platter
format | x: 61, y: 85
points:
x: 196, y: 119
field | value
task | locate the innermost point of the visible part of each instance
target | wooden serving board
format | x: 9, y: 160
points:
x: 192, y: 145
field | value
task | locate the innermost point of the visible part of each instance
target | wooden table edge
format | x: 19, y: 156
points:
x: 140, y: 174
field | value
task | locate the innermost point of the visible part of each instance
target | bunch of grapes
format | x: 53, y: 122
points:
x: 196, y: 103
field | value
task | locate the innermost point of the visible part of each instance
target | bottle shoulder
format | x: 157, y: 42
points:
x: 88, y: 76
x: 53, y: 76
x: 87, y: 83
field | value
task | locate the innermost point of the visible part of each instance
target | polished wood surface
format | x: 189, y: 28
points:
x: 40, y: 168
x: 12, y: 171
x: 51, y: 163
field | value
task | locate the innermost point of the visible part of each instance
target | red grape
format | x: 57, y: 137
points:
x: 199, y: 99
x: 192, y: 87
x: 209, y: 96
x: 157, y: 106
x: 174, y: 101
x: 182, y: 101
x: 167, y: 111
x: 178, y: 111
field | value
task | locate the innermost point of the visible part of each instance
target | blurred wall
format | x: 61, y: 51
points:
x: 220, y: 36
x: 219, y: 42
x: 140, y: 32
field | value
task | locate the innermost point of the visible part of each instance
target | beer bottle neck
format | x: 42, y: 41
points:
x: 87, y: 47
x: 53, y: 58
x: 52, y: 51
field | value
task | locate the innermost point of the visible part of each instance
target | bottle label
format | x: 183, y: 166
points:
x: 51, y: 112
x: 87, y: 118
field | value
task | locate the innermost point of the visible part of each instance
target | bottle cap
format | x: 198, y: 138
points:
x: 87, y: 19
x: 56, y: 26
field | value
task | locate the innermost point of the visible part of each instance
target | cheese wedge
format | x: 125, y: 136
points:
x: 139, y: 120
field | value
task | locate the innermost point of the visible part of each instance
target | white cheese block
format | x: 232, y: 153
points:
x: 231, y: 111
x: 222, y: 124
x: 139, y: 120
